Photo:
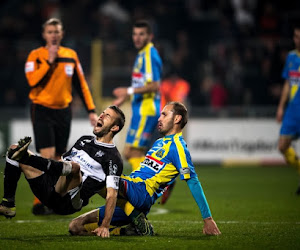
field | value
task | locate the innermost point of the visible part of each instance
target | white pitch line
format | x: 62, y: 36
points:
x: 159, y: 211
x: 167, y: 222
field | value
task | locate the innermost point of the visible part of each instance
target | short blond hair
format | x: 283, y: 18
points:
x: 53, y: 21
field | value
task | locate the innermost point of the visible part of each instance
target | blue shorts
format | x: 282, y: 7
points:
x: 137, y: 195
x: 119, y: 217
x: 140, y: 130
x: 290, y: 124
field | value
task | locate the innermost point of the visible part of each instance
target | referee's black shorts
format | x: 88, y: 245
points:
x: 51, y: 127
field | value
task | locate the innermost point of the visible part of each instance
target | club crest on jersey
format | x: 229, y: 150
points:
x: 69, y: 70
x: 160, y: 153
x: 99, y: 153
x: 152, y: 163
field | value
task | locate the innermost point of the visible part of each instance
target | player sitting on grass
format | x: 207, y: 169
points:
x: 90, y: 166
x: 168, y: 158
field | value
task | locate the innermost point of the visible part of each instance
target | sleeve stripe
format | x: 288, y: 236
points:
x: 148, y: 66
x: 180, y: 149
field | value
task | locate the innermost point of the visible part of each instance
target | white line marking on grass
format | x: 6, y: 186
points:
x: 158, y: 211
x: 165, y: 221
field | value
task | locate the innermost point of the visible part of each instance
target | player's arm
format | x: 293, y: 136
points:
x: 210, y: 227
x: 83, y: 90
x: 38, y: 70
x: 152, y: 77
x: 283, y: 100
x: 123, y: 93
x: 111, y: 200
x: 182, y: 161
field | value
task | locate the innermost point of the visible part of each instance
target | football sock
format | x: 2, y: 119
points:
x: 90, y: 226
x: 135, y: 162
x: 291, y: 158
x: 11, y: 177
x: 49, y: 166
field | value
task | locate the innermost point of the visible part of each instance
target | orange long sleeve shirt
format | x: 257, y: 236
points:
x: 51, y: 84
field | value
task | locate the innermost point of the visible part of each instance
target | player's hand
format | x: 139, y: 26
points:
x: 279, y: 114
x: 93, y: 118
x: 210, y: 227
x: 52, y: 50
x: 101, y: 231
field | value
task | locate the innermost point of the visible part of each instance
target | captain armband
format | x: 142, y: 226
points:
x: 112, y: 181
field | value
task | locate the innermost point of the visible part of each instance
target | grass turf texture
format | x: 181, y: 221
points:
x: 255, y: 208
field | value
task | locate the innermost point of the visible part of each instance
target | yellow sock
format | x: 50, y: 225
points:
x: 291, y: 158
x: 90, y: 226
x: 135, y: 162
x: 116, y: 231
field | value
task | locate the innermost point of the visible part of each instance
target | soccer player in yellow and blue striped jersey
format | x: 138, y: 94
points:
x: 144, y: 93
x: 290, y: 128
x: 168, y: 158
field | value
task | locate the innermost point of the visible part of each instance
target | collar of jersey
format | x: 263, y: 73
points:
x: 171, y: 136
x: 108, y: 145
x: 149, y: 45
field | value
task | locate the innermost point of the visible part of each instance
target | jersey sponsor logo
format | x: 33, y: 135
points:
x: 113, y: 168
x: 137, y: 80
x: 152, y: 163
x: 294, y: 77
x: 184, y: 171
x: 29, y: 67
x: 69, y: 70
x: 99, y: 153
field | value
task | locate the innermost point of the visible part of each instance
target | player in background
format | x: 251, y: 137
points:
x: 144, y: 93
x: 168, y: 158
x: 290, y: 128
x: 51, y: 72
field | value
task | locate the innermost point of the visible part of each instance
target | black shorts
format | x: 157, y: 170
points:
x: 51, y: 127
x: 43, y: 188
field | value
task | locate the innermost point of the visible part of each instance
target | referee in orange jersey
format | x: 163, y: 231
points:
x: 51, y: 72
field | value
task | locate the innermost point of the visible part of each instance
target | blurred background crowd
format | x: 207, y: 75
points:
x: 230, y: 52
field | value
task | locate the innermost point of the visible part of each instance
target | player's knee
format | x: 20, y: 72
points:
x: 282, y: 147
x: 75, y: 227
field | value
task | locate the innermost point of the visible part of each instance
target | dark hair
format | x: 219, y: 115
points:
x: 180, y: 109
x: 120, y: 121
x: 143, y: 24
x: 52, y: 21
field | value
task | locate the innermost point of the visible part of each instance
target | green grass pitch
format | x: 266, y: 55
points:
x: 255, y: 208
